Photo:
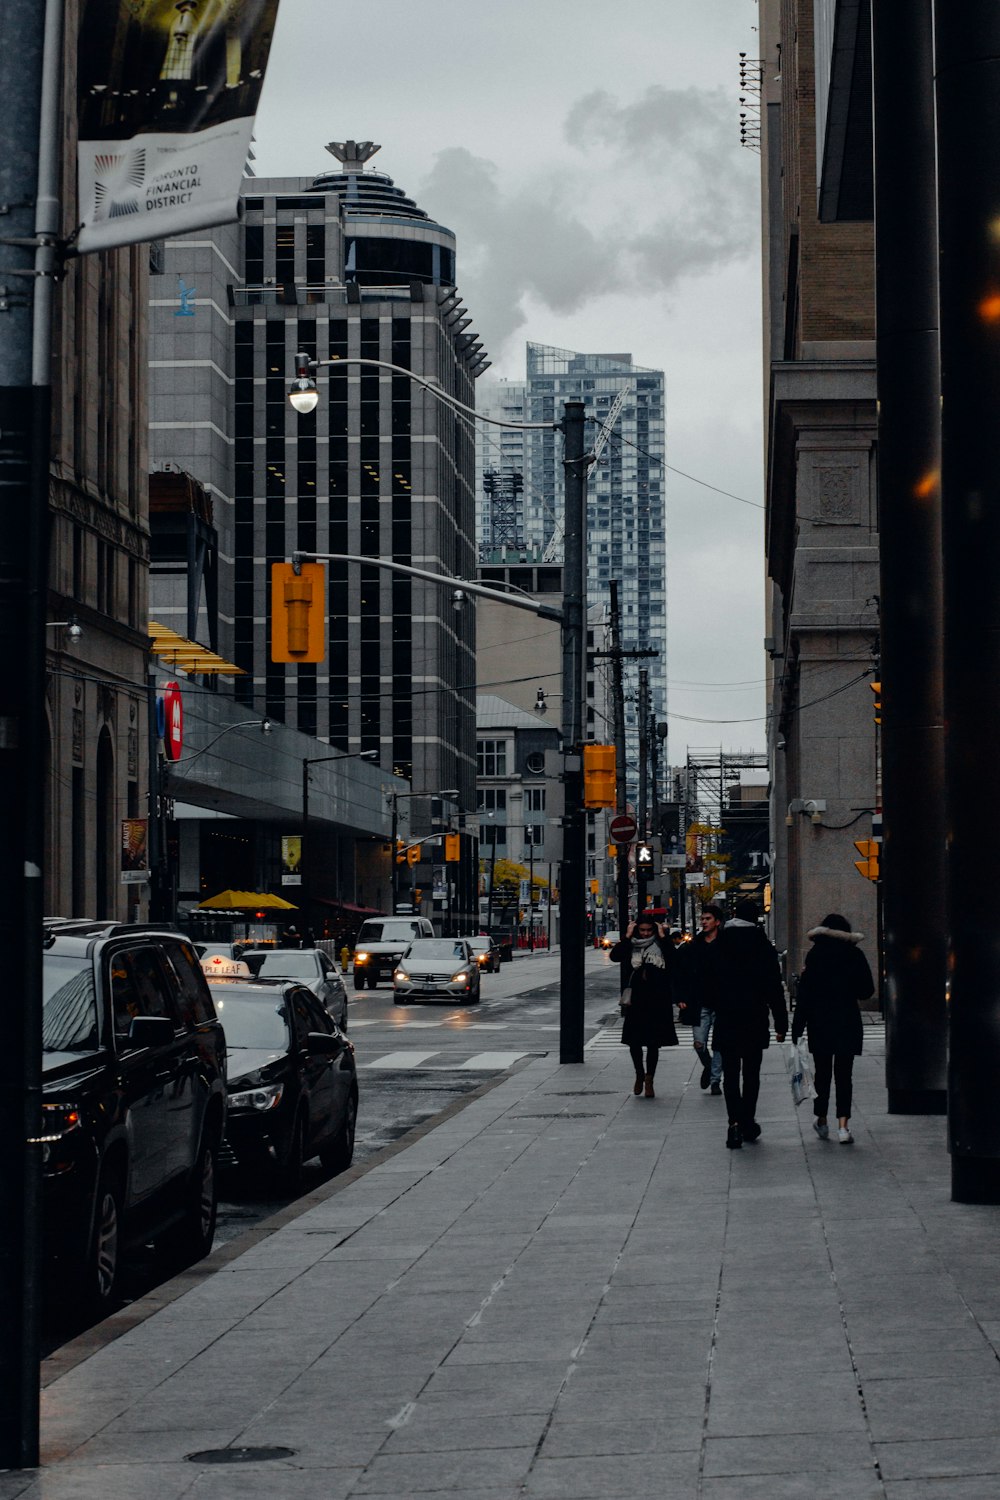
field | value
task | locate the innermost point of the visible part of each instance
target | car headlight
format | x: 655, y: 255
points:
x: 361, y: 958
x: 267, y: 1097
x: 58, y: 1120
x: 401, y: 974
x: 460, y: 978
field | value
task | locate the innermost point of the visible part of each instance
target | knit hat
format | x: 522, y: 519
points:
x: 836, y: 923
x: 747, y: 911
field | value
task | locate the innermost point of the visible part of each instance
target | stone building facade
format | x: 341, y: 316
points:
x: 822, y: 516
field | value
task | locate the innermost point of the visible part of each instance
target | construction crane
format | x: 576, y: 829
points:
x: 554, y: 545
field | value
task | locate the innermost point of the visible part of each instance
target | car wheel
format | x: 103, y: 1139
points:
x: 292, y: 1159
x: 359, y: 981
x: 338, y: 1153
x: 372, y: 981
x: 97, y: 1277
x: 196, y: 1230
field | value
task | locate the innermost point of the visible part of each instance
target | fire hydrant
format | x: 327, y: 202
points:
x: 345, y: 958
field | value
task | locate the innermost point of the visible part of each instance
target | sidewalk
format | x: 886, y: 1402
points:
x: 565, y: 1291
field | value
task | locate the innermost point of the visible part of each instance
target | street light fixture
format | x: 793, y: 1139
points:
x: 304, y: 397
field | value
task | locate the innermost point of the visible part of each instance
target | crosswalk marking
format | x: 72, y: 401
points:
x: 490, y: 1060
x: 608, y: 1036
x: 481, y: 1062
x: 400, y: 1060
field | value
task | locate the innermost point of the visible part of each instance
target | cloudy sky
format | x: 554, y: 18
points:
x: 588, y: 159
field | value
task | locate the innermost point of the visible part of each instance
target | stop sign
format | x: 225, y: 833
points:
x: 173, y: 715
x: 622, y: 828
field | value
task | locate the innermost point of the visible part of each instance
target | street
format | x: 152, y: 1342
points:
x: 413, y: 1062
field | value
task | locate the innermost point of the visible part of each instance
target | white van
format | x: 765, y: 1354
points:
x: 381, y: 944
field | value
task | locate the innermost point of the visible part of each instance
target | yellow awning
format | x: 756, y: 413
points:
x: 245, y: 901
x: 187, y: 655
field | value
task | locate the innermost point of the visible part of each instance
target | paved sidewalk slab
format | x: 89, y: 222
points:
x: 565, y: 1291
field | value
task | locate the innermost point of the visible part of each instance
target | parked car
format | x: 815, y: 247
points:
x: 311, y: 967
x: 380, y: 946
x: 486, y: 952
x: 133, y: 1101
x: 219, y: 950
x: 437, y: 969
x: 504, y: 939
x: 293, y: 1086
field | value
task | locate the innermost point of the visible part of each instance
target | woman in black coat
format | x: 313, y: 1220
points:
x: 835, y: 979
x: 648, y: 959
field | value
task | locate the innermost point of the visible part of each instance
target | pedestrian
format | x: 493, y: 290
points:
x: 700, y: 975
x: 836, y: 977
x: 290, y: 937
x: 750, y: 988
x: 647, y: 1002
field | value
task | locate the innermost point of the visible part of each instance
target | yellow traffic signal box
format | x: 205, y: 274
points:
x: 400, y: 852
x: 599, y: 776
x: 876, y: 688
x: 867, y: 865
x: 452, y: 847
x: 298, y: 612
x: 413, y: 855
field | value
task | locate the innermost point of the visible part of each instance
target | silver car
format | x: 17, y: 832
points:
x: 311, y: 967
x: 437, y: 969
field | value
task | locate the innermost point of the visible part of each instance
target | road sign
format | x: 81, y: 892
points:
x: 173, y: 717
x: 622, y: 828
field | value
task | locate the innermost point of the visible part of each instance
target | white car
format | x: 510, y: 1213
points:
x: 437, y: 969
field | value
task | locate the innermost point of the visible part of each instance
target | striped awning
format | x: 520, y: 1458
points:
x: 187, y: 655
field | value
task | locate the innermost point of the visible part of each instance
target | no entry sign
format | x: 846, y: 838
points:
x: 622, y: 828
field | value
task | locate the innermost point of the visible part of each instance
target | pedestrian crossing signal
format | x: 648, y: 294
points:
x: 644, y: 857
x: 867, y: 865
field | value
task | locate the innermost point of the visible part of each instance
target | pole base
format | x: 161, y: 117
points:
x: 918, y: 1101
x: 975, y: 1179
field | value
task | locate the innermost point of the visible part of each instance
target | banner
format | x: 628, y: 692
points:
x: 167, y: 91
x: 134, y: 856
x: 291, y: 859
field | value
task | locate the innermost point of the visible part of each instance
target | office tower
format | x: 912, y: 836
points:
x: 626, y: 532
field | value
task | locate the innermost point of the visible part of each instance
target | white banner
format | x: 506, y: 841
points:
x: 167, y: 93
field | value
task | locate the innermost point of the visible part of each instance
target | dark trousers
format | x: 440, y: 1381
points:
x: 652, y: 1058
x: 840, y: 1067
x: 742, y: 1102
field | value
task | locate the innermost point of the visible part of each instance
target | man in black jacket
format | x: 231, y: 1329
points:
x: 751, y: 992
x: 700, y: 976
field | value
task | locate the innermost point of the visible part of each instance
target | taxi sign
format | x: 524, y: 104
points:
x: 218, y: 967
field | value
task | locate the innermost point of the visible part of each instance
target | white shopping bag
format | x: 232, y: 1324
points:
x: 798, y: 1064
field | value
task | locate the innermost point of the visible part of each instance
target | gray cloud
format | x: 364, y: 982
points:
x: 655, y: 191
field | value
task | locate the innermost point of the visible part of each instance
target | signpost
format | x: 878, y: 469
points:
x: 622, y: 828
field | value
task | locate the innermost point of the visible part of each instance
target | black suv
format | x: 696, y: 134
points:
x: 134, y: 1098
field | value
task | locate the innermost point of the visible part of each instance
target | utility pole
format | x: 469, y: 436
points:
x: 618, y: 717
x: 641, y: 875
x: 967, y: 60
x: 572, y: 885
x: 915, y: 943
x: 30, y: 109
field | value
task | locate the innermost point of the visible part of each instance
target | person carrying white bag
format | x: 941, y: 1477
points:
x: 800, y: 1072
x: 835, y: 979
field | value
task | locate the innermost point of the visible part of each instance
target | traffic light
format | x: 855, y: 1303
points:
x: 413, y: 855
x: 599, y: 776
x: 644, y: 858
x: 452, y: 847
x: 867, y: 865
x: 876, y: 688
x: 594, y: 887
x: 400, y: 852
x: 298, y: 612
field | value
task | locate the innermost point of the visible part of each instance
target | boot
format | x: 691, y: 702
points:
x: 637, y: 1086
x: 648, y: 1090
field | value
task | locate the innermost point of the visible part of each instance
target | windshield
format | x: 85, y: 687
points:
x: 287, y: 964
x: 435, y: 948
x: 250, y: 1022
x: 386, y: 932
x: 69, y: 1016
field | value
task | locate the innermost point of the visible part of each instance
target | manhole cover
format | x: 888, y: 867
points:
x: 562, y: 1114
x: 238, y: 1455
x: 581, y: 1093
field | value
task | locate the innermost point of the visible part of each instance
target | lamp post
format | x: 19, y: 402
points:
x: 304, y: 397
x: 304, y: 864
x: 394, y: 799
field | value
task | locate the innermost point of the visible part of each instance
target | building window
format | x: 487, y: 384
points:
x: 492, y: 835
x: 534, y: 835
x: 491, y: 799
x: 491, y: 758
x: 534, y: 799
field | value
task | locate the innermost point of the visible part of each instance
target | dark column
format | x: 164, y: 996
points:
x: 913, y: 915
x: 572, y: 886
x: 968, y: 104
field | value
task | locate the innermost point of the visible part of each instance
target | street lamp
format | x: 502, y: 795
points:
x: 264, y: 725
x: 304, y: 397
x: 317, y: 760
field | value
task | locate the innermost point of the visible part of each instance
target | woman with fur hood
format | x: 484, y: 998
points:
x: 835, y: 979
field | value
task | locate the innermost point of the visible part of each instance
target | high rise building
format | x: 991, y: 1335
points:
x: 520, y: 492
x: 339, y: 265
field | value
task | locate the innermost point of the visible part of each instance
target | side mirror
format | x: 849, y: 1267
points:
x: 151, y: 1031
x: 322, y: 1044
